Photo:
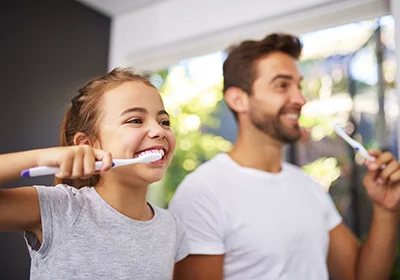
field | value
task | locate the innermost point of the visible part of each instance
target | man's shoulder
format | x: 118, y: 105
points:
x: 211, y: 167
x: 206, y: 176
x: 295, y: 173
x: 293, y: 169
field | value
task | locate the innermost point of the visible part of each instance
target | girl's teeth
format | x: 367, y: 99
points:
x: 160, y: 151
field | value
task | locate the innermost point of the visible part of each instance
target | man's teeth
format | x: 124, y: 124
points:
x: 292, y: 116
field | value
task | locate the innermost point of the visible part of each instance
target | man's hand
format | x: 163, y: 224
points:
x: 382, y: 181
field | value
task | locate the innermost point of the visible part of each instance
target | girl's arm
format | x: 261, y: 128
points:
x: 19, y: 207
x: 19, y: 210
x: 12, y: 164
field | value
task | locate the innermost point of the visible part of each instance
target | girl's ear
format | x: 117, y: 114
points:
x: 81, y: 138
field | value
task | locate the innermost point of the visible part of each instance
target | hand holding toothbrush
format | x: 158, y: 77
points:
x: 73, y: 162
x: 383, y: 184
x: 79, y: 162
x: 382, y: 181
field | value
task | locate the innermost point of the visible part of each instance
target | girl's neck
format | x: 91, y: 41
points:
x: 129, y: 200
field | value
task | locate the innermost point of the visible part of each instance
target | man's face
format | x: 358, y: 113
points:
x: 276, y: 99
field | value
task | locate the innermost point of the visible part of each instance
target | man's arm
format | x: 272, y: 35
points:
x: 197, y: 207
x: 375, y: 259
x: 343, y: 253
x: 200, y: 267
x: 347, y: 260
x: 377, y: 255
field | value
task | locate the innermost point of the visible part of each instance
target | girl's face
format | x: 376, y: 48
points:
x: 133, y: 121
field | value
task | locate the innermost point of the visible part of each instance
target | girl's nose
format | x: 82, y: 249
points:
x: 156, y: 131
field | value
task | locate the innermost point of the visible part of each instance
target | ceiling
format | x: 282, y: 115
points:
x: 116, y: 7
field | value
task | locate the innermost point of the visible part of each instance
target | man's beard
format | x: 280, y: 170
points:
x: 272, y: 126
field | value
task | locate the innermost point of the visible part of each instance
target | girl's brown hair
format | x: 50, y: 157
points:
x: 83, y: 114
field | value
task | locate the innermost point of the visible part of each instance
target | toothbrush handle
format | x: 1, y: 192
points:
x: 48, y: 170
x: 370, y: 158
x: 364, y: 152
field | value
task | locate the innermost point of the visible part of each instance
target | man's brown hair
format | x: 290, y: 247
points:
x: 240, y: 67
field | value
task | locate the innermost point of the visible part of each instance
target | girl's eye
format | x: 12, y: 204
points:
x: 136, y: 121
x: 166, y: 123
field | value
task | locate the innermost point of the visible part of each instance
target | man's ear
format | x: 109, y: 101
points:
x: 237, y: 99
x: 81, y: 138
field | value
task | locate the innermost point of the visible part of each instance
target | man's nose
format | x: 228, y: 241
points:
x: 298, y: 98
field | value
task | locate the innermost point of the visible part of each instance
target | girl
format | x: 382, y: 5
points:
x: 98, y: 225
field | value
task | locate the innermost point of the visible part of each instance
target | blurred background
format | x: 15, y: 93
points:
x: 50, y: 48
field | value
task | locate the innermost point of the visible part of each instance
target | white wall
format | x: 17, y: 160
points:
x: 163, y: 33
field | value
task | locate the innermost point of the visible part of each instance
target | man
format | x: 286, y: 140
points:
x: 249, y: 215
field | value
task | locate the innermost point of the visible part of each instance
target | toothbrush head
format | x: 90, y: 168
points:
x: 150, y: 157
x: 356, y: 145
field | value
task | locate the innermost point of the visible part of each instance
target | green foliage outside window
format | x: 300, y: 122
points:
x: 192, y: 112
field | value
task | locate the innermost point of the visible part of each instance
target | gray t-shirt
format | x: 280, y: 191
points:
x: 85, y: 238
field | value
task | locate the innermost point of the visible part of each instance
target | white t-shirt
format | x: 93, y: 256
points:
x: 268, y: 225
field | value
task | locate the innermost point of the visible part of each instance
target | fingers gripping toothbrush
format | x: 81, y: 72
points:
x: 146, y: 157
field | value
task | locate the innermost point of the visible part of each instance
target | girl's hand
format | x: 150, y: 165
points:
x: 75, y: 162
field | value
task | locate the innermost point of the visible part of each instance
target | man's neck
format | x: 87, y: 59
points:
x: 257, y: 151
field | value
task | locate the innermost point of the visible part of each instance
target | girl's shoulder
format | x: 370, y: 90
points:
x: 165, y: 216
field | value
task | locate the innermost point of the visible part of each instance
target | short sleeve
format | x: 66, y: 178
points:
x: 197, y: 207
x: 333, y: 216
x: 182, y: 245
x: 59, y: 209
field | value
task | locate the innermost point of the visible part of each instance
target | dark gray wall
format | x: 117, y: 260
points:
x: 47, y: 50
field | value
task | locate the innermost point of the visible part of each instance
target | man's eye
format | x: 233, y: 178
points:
x: 166, y: 123
x: 283, y: 85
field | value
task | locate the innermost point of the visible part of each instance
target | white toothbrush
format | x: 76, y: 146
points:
x: 148, y: 156
x: 356, y: 145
